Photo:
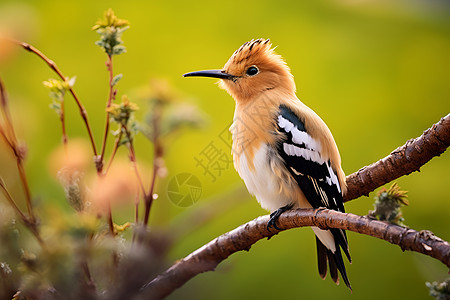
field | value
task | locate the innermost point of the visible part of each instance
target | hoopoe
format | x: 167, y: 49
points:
x: 283, y: 151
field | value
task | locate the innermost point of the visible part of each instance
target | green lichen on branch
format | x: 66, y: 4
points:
x: 388, y: 203
x: 110, y: 29
x: 439, y: 290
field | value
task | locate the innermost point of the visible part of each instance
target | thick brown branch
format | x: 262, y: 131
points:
x: 402, y: 161
x: 242, y: 238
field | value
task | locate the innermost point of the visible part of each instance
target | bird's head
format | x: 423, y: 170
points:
x: 253, y: 69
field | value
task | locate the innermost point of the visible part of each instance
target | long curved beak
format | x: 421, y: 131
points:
x: 210, y: 73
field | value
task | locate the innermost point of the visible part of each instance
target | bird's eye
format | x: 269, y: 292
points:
x: 253, y: 70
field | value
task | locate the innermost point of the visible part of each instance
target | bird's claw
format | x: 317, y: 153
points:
x: 275, y: 215
x: 273, y: 222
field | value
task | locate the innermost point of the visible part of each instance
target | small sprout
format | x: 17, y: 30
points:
x: 116, y: 79
x: 388, y: 205
x: 110, y: 20
x: 122, y: 113
x: 110, y: 29
x: 58, y: 88
x: 439, y: 290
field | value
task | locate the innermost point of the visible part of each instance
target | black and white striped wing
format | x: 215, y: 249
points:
x: 302, y: 157
x: 319, y: 183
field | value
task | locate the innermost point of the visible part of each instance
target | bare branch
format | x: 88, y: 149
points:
x: 8, y: 134
x: 402, y: 161
x: 242, y: 238
x: 55, y: 68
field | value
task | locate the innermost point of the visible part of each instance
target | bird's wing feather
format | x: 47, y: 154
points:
x: 302, y: 156
x: 318, y: 181
x: 313, y: 172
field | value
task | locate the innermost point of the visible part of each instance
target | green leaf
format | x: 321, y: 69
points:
x: 100, y: 43
x: 119, y: 50
x: 56, y: 106
x: 116, y: 79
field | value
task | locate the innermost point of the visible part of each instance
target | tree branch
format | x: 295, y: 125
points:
x: 242, y: 238
x: 402, y: 161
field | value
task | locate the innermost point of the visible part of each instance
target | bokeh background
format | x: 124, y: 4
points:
x: 376, y: 71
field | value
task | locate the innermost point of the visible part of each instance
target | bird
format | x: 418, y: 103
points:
x: 283, y: 151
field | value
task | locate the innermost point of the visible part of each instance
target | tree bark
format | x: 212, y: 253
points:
x: 402, y: 161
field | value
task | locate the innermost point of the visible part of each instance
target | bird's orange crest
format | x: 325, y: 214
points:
x: 255, y: 68
x: 251, y: 48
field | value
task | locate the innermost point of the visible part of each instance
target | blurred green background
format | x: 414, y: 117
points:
x: 378, y: 73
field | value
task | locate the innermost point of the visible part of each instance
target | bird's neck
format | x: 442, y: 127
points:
x: 254, y: 124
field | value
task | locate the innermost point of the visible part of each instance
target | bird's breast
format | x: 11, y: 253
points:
x: 256, y: 168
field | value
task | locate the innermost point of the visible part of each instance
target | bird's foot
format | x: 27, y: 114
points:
x: 275, y: 215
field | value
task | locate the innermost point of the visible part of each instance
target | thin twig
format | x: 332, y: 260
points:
x: 29, y: 223
x: 133, y: 160
x: 55, y: 68
x: 5, y: 138
x: 112, y: 231
x: 109, y: 218
x: 114, y: 151
x: 26, y: 187
x: 157, y: 153
x: 149, y: 197
x: 11, y: 139
x: 63, y: 124
x: 11, y: 200
x: 110, y: 221
x: 89, y: 281
x: 140, y: 183
x: 10, y: 133
x: 136, y: 208
x: 111, y: 95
